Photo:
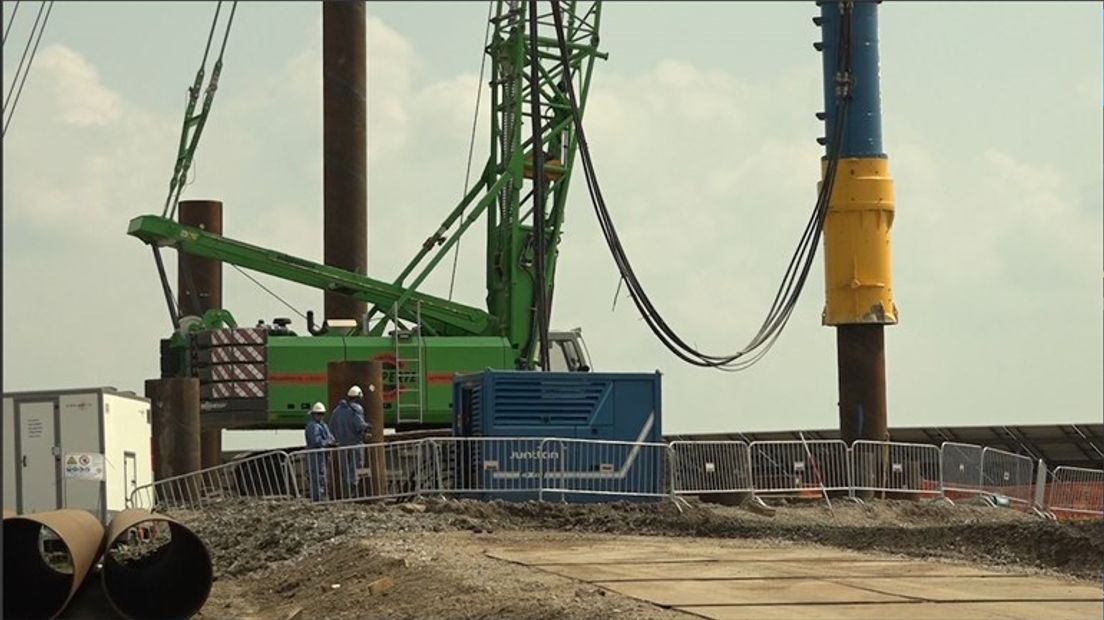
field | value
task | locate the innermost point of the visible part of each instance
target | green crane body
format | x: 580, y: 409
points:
x: 431, y: 338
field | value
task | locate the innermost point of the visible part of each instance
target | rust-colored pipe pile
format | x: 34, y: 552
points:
x: 32, y: 587
x: 171, y: 582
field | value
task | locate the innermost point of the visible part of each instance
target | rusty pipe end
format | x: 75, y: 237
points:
x: 37, y: 585
x: 167, y: 577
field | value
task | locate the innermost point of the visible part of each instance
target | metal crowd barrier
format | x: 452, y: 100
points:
x: 1076, y: 491
x: 1007, y: 474
x: 582, y: 469
x: 587, y: 470
x: 482, y: 467
x: 705, y: 467
x: 370, y: 471
x: 807, y: 468
x: 961, y: 469
x: 893, y: 467
x: 265, y: 475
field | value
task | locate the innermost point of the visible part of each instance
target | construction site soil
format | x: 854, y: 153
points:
x: 427, y: 559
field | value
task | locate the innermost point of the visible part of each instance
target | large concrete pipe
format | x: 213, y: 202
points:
x: 37, y: 585
x: 172, y: 579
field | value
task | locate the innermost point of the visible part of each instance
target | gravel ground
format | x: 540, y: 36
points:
x: 273, y: 558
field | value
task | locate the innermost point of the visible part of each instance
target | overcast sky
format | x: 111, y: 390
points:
x: 702, y: 129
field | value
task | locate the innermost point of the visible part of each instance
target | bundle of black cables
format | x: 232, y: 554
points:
x: 796, y: 273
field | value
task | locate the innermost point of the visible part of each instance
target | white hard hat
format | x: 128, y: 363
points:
x: 355, y: 392
x: 318, y: 408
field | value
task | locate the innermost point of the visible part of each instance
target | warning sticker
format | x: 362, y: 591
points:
x: 84, y: 466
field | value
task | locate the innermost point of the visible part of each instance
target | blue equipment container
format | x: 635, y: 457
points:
x: 523, y: 433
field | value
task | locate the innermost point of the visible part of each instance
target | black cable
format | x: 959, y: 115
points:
x: 11, y: 20
x: 794, y: 279
x: 30, y: 61
x: 23, y: 58
x: 471, y: 140
x: 269, y: 291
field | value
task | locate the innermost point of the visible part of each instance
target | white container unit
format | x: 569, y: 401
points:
x: 81, y: 448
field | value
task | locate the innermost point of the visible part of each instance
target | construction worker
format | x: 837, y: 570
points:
x: 350, y: 430
x: 318, y: 437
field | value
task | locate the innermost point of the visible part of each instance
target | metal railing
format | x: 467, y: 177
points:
x: 370, y: 471
x: 707, y: 467
x: 1007, y: 474
x: 565, y: 469
x: 961, y: 469
x: 481, y: 467
x: 582, y: 468
x: 1076, y: 491
x: 807, y: 468
x: 894, y: 467
x: 265, y: 475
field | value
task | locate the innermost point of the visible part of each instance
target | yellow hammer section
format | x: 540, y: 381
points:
x: 858, y: 256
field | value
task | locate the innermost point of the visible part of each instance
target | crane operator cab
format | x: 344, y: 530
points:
x: 568, y: 351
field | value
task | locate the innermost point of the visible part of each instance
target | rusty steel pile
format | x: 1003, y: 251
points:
x: 151, y: 565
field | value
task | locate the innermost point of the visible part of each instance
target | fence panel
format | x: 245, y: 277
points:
x: 960, y: 469
x: 889, y: 466
x: 582, y: 469
x: 369, y: 471
x: 487, y: 467
x: 1076, y: 492
x: 1007, y: 474
x: 265, y: 475
x: 704, y: 467
x: 802, y: 467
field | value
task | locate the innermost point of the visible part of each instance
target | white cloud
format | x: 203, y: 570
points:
x: 77, y: 92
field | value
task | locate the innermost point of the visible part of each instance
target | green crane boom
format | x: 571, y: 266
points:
x: 439, y: 316
x: 271, y: 385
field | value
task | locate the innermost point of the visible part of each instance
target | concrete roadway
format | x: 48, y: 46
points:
x: 749, y: 580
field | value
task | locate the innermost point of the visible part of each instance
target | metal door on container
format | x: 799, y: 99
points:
x: 130, y: 476
x: 38, y: 456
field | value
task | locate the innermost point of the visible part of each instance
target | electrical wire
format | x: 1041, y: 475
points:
x: 11, y: 20
x: 471, y: 141
x: 800, y: 263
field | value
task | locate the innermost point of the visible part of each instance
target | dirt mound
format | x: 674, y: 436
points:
x: 247, y: 536
x: 244, y: 536
x: 425, y: 559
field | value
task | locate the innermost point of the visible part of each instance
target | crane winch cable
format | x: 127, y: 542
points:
x: 800, y: 263
x: 23, y: 58
x: 193, y: 124
x: 540, y: 285
x: 269, y: 291
x: 11, y: 20
x: 10, y: 111
x: 471, y: 140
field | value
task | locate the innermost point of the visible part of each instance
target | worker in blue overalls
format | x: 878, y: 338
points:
x: 350, y: 428
x: 318, y: 438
